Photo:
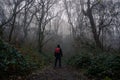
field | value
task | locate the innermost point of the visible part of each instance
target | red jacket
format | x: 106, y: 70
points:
x: 58, y: 52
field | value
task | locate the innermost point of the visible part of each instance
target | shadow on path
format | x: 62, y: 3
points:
x: 50, y: 73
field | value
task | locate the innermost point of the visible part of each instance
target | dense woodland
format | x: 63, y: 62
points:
x: 87, y: 30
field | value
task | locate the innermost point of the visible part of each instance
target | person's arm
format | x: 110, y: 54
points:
x: 61, y: 52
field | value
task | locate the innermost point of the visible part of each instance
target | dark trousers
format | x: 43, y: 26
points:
x: 58, y: 59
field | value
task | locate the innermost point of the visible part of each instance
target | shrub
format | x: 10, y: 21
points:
x: 12, y: 62
x: 105, y: 65
x: 80, y: 61
x: 98, y: 66
x: 101, y: 66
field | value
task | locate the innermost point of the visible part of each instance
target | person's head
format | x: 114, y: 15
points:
x: 58, y: 46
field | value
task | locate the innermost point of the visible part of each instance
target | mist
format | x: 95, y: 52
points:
x: 36, y: 27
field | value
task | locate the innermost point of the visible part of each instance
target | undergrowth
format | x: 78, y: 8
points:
x: 12, y: 62
x: 98, y: 65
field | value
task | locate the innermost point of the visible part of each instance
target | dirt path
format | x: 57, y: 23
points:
x: 64, y: 73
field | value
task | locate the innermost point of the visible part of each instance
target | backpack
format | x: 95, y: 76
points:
x: 57, y: 50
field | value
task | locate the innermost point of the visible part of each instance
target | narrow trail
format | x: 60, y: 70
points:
x: 64, y: 73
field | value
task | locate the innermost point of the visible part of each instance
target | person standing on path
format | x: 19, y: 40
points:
x: 58, y: 54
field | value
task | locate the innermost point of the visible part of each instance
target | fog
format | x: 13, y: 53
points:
x: 43, y: 24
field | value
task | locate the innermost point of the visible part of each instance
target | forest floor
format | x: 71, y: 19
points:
x: 63, y: 73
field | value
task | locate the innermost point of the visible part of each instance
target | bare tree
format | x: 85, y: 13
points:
x: 69, y: 8
x: 10, y: 12
x: 91, y: 18
x: 43, y: 18
x: 28, y: 15
x: 17, y: 8
x: 103, y: 19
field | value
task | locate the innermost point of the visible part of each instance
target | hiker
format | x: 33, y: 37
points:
x: 58, y: 54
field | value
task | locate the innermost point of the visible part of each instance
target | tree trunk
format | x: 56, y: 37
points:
x: 40, y: 40
x: 94, y: 30
x: 1, y: 32
x: 12, y: 28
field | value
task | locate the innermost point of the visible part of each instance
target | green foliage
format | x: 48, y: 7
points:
x: 12, y: 62
x: 32, y: 56
x: 105, y: 65
x: 107, y: 78
x: 48, y: 58
x: 40, y: 60
x: 80, y: 61
x: 101, y: 66
x: 98, y: 66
